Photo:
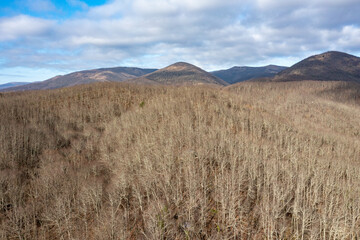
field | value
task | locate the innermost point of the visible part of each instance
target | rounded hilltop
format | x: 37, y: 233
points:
x: 180, y: 73
x: 328, y: 66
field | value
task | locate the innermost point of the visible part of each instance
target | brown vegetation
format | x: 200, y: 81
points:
x: 116, y: 161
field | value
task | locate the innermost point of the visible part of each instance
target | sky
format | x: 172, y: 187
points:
x: 40, y: 39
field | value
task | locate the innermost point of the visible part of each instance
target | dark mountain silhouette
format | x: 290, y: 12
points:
x: 12, y: 84
x: 179, y: 74
x: 328, y: 66
x: 240, y: 74
x: 117, y: 74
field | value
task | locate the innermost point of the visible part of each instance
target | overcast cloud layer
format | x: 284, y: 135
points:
x: 212, y: 34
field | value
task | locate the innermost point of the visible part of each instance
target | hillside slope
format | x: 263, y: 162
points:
x: 240, y: 74
x: 180, y: 73
x: 12, y: 84
x: 116, y: 74
x: 329, y: 66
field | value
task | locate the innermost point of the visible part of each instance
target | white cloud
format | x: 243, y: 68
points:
x: 22, y: 26
x: 114, y: 8
x: 350, y: 37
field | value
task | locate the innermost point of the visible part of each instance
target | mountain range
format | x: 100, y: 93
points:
x: 117, y: 74
x: 240, y: 74
x: 328, y: 66
x: 12, y: 84
x: 176, y: 74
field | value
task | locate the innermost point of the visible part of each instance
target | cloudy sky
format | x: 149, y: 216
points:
x: 43, y: 38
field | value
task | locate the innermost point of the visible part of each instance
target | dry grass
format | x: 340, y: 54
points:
x: 115, y: 161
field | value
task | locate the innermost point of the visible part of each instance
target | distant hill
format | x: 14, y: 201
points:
x: 12, y: 84
x: 180, y: 73
x: 328, y: 66
x: 240, y: 74
x: 117, y: 74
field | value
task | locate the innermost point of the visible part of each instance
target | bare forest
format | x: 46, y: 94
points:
x: 121, y: 161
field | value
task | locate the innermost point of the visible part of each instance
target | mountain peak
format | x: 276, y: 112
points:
x: 185, y: 64
x: 181, y: 66
x: 328, y: 66
x: 330, y: 56
x: 180, y: 73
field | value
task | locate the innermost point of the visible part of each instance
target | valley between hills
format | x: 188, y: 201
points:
x: 181, y: 153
